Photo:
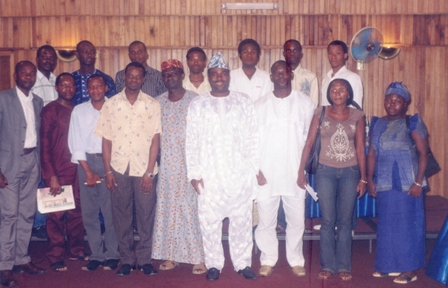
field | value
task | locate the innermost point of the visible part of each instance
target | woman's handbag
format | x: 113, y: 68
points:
x: 313, y: 158
x: 433, y: 166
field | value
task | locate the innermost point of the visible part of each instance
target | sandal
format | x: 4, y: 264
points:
x: 59, y: 266
x: 345, y: 276
x: 168, y: 265
x: 82, y: 257
x: 324, y: 274
x: 405, y: 279
x: 199, y: 269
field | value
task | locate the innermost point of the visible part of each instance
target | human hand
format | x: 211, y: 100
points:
x: 111, y: 182
x: 301, y: 180
x: 415, y: 191
x: 261, y: 179
x: 372, y: 188
x: 146, y: 182
x: 55, y: 187
x: 92, y: 179
x: 196, y: 184
x: 361, y: 188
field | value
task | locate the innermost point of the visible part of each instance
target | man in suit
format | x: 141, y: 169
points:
x: 19, y: 172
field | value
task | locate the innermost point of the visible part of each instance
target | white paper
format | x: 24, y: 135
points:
x: 311, y: 191
x: 47, y: 203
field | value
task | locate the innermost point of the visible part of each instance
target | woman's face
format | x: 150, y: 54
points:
x: 395, y: 106
x: 339, y: 93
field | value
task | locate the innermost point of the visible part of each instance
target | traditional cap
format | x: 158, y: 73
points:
x: 218, y: 61
x: 172, y: 63
x: 399, y: 89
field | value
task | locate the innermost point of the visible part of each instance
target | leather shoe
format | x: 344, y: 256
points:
x: 7, y: 278
x: 148, y: 269
x: 248, y: 273
x: 125, y: 270
x: 28, y: 268
x: 212, y: 274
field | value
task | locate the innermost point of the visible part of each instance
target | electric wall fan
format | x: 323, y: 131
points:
x: 365, y: 46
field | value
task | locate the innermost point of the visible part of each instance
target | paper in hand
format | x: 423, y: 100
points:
x: 311, y: 191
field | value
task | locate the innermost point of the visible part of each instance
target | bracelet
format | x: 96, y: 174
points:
x: 418, y: 184
x: 363, y: 181
x: 110, y: 172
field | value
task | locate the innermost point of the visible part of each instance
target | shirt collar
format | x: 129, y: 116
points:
x: 22, y: 96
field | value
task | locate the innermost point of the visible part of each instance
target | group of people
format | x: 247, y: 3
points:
x: 179, y: 152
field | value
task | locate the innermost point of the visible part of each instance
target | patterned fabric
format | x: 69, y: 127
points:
x: 82, y: 95
x: 177, y: 235
x: 218, y: 61
x: 305, y: 81
x: 399, y: 89
x: 131, y: 129
x: 171, y: 63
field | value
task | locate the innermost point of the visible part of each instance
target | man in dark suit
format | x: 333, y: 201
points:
x: 19, y: 172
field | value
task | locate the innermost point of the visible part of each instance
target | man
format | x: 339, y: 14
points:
x: 337, y: 56
x: 57, y: 170
x: 45, y: 79
x: 86, y: 151
x: 130, y: 125
x: 248, y: 78
x: 222, y: 161
x: 153, y: 84
x: 19, y: 172
x: 196, y: 81
x: 303, y: 80
x: 86, y: 54
x: 284, y: 117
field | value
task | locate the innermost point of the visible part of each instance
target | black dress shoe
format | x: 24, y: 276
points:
x: 248, y: 273
x: 7, y: 278
x: 212, y: 274
x: 92, y: 265
x: 28, y: 268
x: 111, y: 264
x: 125, y: 270
x: 148, y: 269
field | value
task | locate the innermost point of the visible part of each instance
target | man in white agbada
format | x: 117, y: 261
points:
x: 222, y: 162
x: 284, y: 117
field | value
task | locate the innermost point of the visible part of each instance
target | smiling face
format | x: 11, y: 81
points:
x: 395, y: 106
x: 339, y: 93
x: 219, y: 79
x: 97, y: 89
x: 249, y: 55
x: 336, y: 57
x: 25, y: 76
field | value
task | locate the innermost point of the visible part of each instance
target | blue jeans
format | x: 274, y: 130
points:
x: 336, y: 188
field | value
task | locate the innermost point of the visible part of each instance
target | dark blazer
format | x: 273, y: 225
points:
x: 13, y: 129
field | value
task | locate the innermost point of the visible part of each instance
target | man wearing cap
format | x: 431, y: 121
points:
x: 177, y: 236
x: 222, y: 160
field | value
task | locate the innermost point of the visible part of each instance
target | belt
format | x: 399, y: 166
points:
x: 96, y: 155
x: 27, y: 151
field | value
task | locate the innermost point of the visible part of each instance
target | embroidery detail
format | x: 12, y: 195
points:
x: 353, y: 127
x: 326, y: 124
x: 339, y: 145
x: 305, y: 87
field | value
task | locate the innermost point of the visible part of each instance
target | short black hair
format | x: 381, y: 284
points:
x: 249, y: 41
x: 292, y: 41
x: 349, y: 90
x: 339, y: 43
x: 137, y: 65
x: 196, y: 49
x: 58, y: 79
x: 21, y: 63
x: 47, y: 47
x: 137, y: 42
x: 282, y: 62
x: 83, y: 42
x: 97, y: 76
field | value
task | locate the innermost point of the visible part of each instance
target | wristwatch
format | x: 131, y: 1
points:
x: 150, y: 175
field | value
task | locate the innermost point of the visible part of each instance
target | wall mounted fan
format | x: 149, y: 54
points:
x: 365, y: 46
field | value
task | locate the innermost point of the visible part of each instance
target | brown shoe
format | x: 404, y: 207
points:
x: 7, y: 278
x: 28, y: 268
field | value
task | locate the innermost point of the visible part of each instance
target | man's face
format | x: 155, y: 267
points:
x: 25, y: 76
x: 46, y: 62
x: 138, y: 53
x: 172, y: 78
x: 281, y: 75
x: 292, y: 53
x: 219, y: 79
x: 196, y: 62
x: 336, y: 56
x: 249, y: 55
x: 134, y: 78
x: 86, y: 54
x: 97, y: 89
x: 66, y: 88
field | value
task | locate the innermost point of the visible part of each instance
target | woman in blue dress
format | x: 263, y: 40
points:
x: 396, y: 164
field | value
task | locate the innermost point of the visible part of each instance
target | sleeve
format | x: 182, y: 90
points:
x: 47, y: 127
x: 111, y: 88
x: 103, y: 126
x: 252, y: 139
x: 314, y: 92
x: 119, y: 81
x: 416, y: 123
x: 76, y: 138
x: 308, y: 118
x: 372, y: 144
x: 160, y: 87
x: 192, y: 142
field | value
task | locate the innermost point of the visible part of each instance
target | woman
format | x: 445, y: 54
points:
x: 177, y: 235
x: 396, y: 164
x: 341, y: 173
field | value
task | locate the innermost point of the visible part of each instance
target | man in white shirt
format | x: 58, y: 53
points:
x: 284, y: 116
x: 86, y: 150
x: 46, y: 61
x: 196, y: 80
x: 222, y: 161
x: 338, y: 55
x: 303, y: 79
x: 248, y: 78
